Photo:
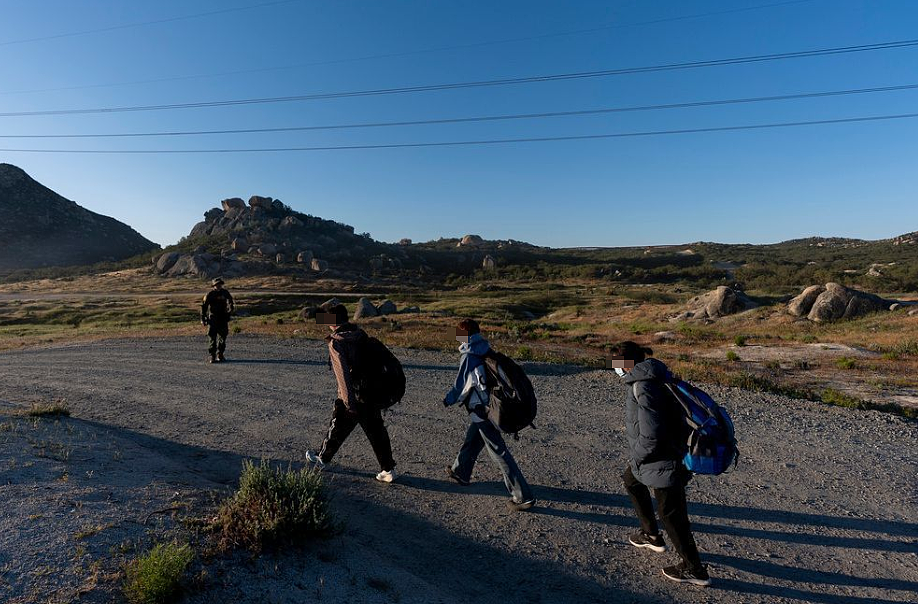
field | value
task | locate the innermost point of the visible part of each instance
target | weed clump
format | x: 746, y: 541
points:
x: 273, y: 507
x: 155, y: 577
x: 55, y: 409
x: 845, y: 363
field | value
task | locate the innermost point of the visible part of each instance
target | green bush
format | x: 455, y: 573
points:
x: 846, y: 363
x: 155, y: 577
x: 732, y: 356
x: 739, y: 340
x: 274, y: 507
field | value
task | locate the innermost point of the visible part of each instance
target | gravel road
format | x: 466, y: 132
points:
x: 821, y: 509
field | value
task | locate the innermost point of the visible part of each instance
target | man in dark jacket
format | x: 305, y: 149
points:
x: 471, y: 391
x: 216, y: 309
x: 656, y: 432
x: 343, y: 344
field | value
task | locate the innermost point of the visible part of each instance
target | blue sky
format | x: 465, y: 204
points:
x: 856, y: 180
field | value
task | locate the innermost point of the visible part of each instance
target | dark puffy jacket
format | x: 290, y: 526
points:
x: 655, y: 427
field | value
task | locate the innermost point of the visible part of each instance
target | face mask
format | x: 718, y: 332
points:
x: 620, y: 372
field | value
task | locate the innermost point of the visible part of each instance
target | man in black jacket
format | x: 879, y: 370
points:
x: 656, y: 432
x: 216, y: 309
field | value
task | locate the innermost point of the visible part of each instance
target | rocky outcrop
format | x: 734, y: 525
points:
x: 319, y: 265
x: 489, y: 263
x: 232, y: 204
x: 470, y: 241
x: 304, y: 257
x: 257, y: 201
x: 720, y: 302
x: 832, y: 302
x: 39, y: 228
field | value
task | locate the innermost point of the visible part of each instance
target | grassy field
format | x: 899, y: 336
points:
x: 869, y: 362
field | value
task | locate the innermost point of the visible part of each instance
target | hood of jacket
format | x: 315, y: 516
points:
x: 648, y: 369
x: 476, y: 345
x: 347, y: 333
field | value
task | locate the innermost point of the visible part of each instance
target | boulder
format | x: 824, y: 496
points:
x: 256, y: 201
x: 290, y: 222
x: 470, y: 240
x: 304, y: 257
x: 665, y: 336
x: 319, y: 265
x: 329, y: 303
x: 720, y: 302
x: 166, y: 261
x: 387, y: 307
x: 308, y: 313
x: 801, y: 305
x: 489, y: 263
x: 213, y: 215
x: 404, y: 241
x: 410, y: 310
x: 280, y: 258
x: 365, y: 309
x: 840, y: 302
x: 278, y: 205
x: 913, y: 312
x: 240, y: 244
x: 267, y: 250
x: 232, y: 204
x: 197, y: 265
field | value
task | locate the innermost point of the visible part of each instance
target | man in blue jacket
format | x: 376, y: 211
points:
x: 471, y: 391
x: 656, y: 431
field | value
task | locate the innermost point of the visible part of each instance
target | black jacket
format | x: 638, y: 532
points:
x: 655, y: 426
x: 220, y: 304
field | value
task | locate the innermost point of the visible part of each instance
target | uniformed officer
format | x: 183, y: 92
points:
x: 215, y: 313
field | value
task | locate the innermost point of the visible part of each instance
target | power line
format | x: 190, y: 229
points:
x: 503, y: 141
x: 145, y: 23
x: 412, y: 52
x: 488, y: 118
x: 481, y: 83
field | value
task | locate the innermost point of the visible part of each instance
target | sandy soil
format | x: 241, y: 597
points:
x: 821, y: 508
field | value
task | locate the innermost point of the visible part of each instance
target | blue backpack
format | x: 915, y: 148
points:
x: 712, y: 441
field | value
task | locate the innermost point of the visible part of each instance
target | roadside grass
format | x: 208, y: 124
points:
x: 52, y: 409
x: 273, y: 507
x: 156, y: 576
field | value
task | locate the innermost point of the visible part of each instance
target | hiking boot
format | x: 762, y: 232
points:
x: 682, y: 574
x: 386, y: 476
x: 460, y: 480
x: 221, y: 358
x: 315, y: 460
x: 652, y: 542
x: 520, y: 506
x: 212, y: 360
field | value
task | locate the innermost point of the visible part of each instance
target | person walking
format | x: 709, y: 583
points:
x: 656, y: 431
x: 216, y: 310
x: 343, y: 347
x: 471, y: 391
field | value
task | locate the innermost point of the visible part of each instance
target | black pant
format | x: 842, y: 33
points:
x: 673, y: 510
x: 343, y: 423
x: 217, y: 334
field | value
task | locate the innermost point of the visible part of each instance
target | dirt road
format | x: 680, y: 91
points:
x: 821, y: 509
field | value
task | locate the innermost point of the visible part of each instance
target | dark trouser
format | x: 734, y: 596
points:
x: 217, y: 334
x: 343, y: 423
x: 482, y: 435
x: 673, y: 510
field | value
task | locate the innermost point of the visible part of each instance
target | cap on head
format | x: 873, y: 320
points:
x: 217, y: 281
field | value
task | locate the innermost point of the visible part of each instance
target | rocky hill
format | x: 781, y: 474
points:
x: 40, y: 228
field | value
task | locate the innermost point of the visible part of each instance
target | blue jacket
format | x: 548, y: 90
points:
x: 655, y: 426
x: 469, y: 388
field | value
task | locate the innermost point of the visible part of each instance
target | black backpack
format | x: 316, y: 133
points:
x: 512, y: 404
x: 378, y: 378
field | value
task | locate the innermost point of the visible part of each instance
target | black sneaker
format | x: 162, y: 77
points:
x: 682, y: 574
x: 460, y: 480
x: 520, y: 506
x: 221, y: 358
x: 211, y: 360
x: 652, y: 542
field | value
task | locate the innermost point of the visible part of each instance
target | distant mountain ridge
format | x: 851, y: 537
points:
x: 40, y: 228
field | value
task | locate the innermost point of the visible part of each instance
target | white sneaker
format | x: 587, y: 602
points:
x: 386, y: 476
x: 313, y: 458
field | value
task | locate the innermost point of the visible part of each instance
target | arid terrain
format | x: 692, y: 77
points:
x: 820, y: 508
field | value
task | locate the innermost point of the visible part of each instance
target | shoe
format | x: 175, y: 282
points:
x: 221, y: 358
x: 386, y: 476
x: 652, y: 542
x: 212, y: 360
x: 452, y: 474
x: 315, y: 460
x: 520, y: 506
x: 682, y: 574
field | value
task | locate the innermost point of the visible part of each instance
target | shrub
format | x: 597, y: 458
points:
x: 773, y: 364
x: 739, y: 340
x: 236, y: 329
x: 808, y: 339
x: 732, y: 356
x: 274, y: 507
x: 846, y: 363
x: 55, y: 409
x: 155, y: 577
